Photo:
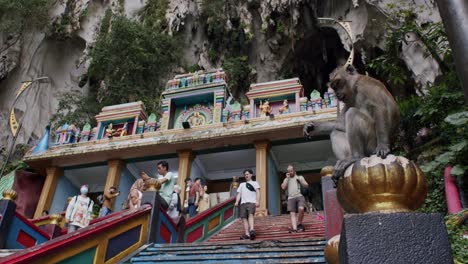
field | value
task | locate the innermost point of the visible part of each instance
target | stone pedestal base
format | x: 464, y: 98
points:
x: 394, y: 238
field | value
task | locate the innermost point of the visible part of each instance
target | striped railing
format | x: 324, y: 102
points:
x: 208, y: 222
x: 106, y: 241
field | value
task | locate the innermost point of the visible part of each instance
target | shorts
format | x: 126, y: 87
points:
x: 246, y: 209
x: 295, y: 203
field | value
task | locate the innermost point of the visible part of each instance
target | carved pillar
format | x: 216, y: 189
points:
x: 98, y: 130
x: 252, y: 108
x: 261, y: 157
x: 48, y: 190
x: 218, y: 107
x: 298, y: 103
x: 454, y: 14
x: 185, y: 166
x: 166, y: 107
x: 135, y: 126
x: 114, y: 170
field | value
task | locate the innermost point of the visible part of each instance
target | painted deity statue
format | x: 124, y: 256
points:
x: 285, y: 108
x: 123, y: 131
x: 110, y: 131
x: 265, y: 108
x: 196, y: 120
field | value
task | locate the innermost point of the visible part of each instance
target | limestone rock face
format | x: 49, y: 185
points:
x: 275, y: 47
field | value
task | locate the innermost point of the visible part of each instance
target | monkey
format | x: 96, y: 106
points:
x: 368, y: 122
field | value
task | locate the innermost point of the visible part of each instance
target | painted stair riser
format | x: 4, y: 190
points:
x: 221, y: 247
x: 222, y: 257
x: 313, y: 250
x: 319, y: 260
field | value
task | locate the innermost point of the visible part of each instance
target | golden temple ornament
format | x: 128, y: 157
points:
x: 331, y: 250
x: 153, y: 185
x: 9, y: 195
x: 326, y: 171
x: 390, y: 185
x: 55, y: 219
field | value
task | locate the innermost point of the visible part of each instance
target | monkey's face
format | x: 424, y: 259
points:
x: 339, y: 83
x: 339, y: 86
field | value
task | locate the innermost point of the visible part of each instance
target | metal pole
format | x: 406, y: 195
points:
x: 11, y: 150
x: 15, y: 134
x: 454, y: 14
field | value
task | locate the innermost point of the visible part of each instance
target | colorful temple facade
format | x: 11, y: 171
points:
x: 202, y: 132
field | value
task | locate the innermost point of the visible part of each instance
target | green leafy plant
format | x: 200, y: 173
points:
x: 456, y: 229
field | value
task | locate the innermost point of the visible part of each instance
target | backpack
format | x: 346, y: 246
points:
x: 303, y: 190
x: 76, y: 198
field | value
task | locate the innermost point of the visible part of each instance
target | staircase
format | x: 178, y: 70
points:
x: 274, y: 244
x: 273, y: 228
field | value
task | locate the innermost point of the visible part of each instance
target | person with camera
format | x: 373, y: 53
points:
x: 107, y: 201
x: 248, y: 194
x: 296, y: 201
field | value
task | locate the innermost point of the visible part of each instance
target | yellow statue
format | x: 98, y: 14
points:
x: 110, y: 131
x: 120, y: 132
x: 265, y: 108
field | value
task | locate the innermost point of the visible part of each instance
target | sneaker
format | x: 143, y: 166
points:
x: 300, y: 228
x: 291, y: 231
x: 244, y: 237
x: 252, y: 235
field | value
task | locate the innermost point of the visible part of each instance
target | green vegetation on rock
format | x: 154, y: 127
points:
x: 129, y: 62
x: 19, y: 15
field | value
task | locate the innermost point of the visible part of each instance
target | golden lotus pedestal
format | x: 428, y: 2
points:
x: 379, y: 196
x: 390, y: 185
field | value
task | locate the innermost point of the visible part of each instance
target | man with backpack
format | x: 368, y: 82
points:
x: 296, y: 201
x: 79, y: 210
x: 248, y: 194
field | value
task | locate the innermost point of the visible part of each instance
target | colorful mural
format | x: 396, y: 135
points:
x: 197, y: 115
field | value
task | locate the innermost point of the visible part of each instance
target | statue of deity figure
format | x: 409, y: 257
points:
x: 110, y: 131
x: 285, y: 108
x: 265, y: 108
x: 196, y: 120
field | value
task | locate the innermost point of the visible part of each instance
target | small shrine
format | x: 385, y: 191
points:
x: 119, y: 120
x: 194, y: 99
x: 275, y: 98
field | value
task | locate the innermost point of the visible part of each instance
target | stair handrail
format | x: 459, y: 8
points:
x: 208, y: 222
x: 52, y: 248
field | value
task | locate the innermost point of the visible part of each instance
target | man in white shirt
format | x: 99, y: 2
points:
x: 79, y: 210
x: 296, y: 201
x: 167, y: 184
x: 248, y: 194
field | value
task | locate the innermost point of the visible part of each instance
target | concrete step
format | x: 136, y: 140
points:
x: 306, y: 256
x: 285, y: 242
x: 314, y: 251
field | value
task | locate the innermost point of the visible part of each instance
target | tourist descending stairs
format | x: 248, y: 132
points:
x: 273, y: 244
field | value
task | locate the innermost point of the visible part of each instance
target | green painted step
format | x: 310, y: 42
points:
x: 277, y: 251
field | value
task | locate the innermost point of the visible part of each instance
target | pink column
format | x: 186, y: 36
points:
x: 135, y: 125
x: 96, y: 136
x: 334, y: 214
x: 252, y: 108
x: 451, y: 193
x: 298, y: 103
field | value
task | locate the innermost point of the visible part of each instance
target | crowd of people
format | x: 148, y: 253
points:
x: 80, y: 207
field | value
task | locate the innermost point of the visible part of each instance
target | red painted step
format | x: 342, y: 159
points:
x: 274, y: 228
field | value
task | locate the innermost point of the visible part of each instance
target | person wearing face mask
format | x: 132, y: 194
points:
x: 79, y: 210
